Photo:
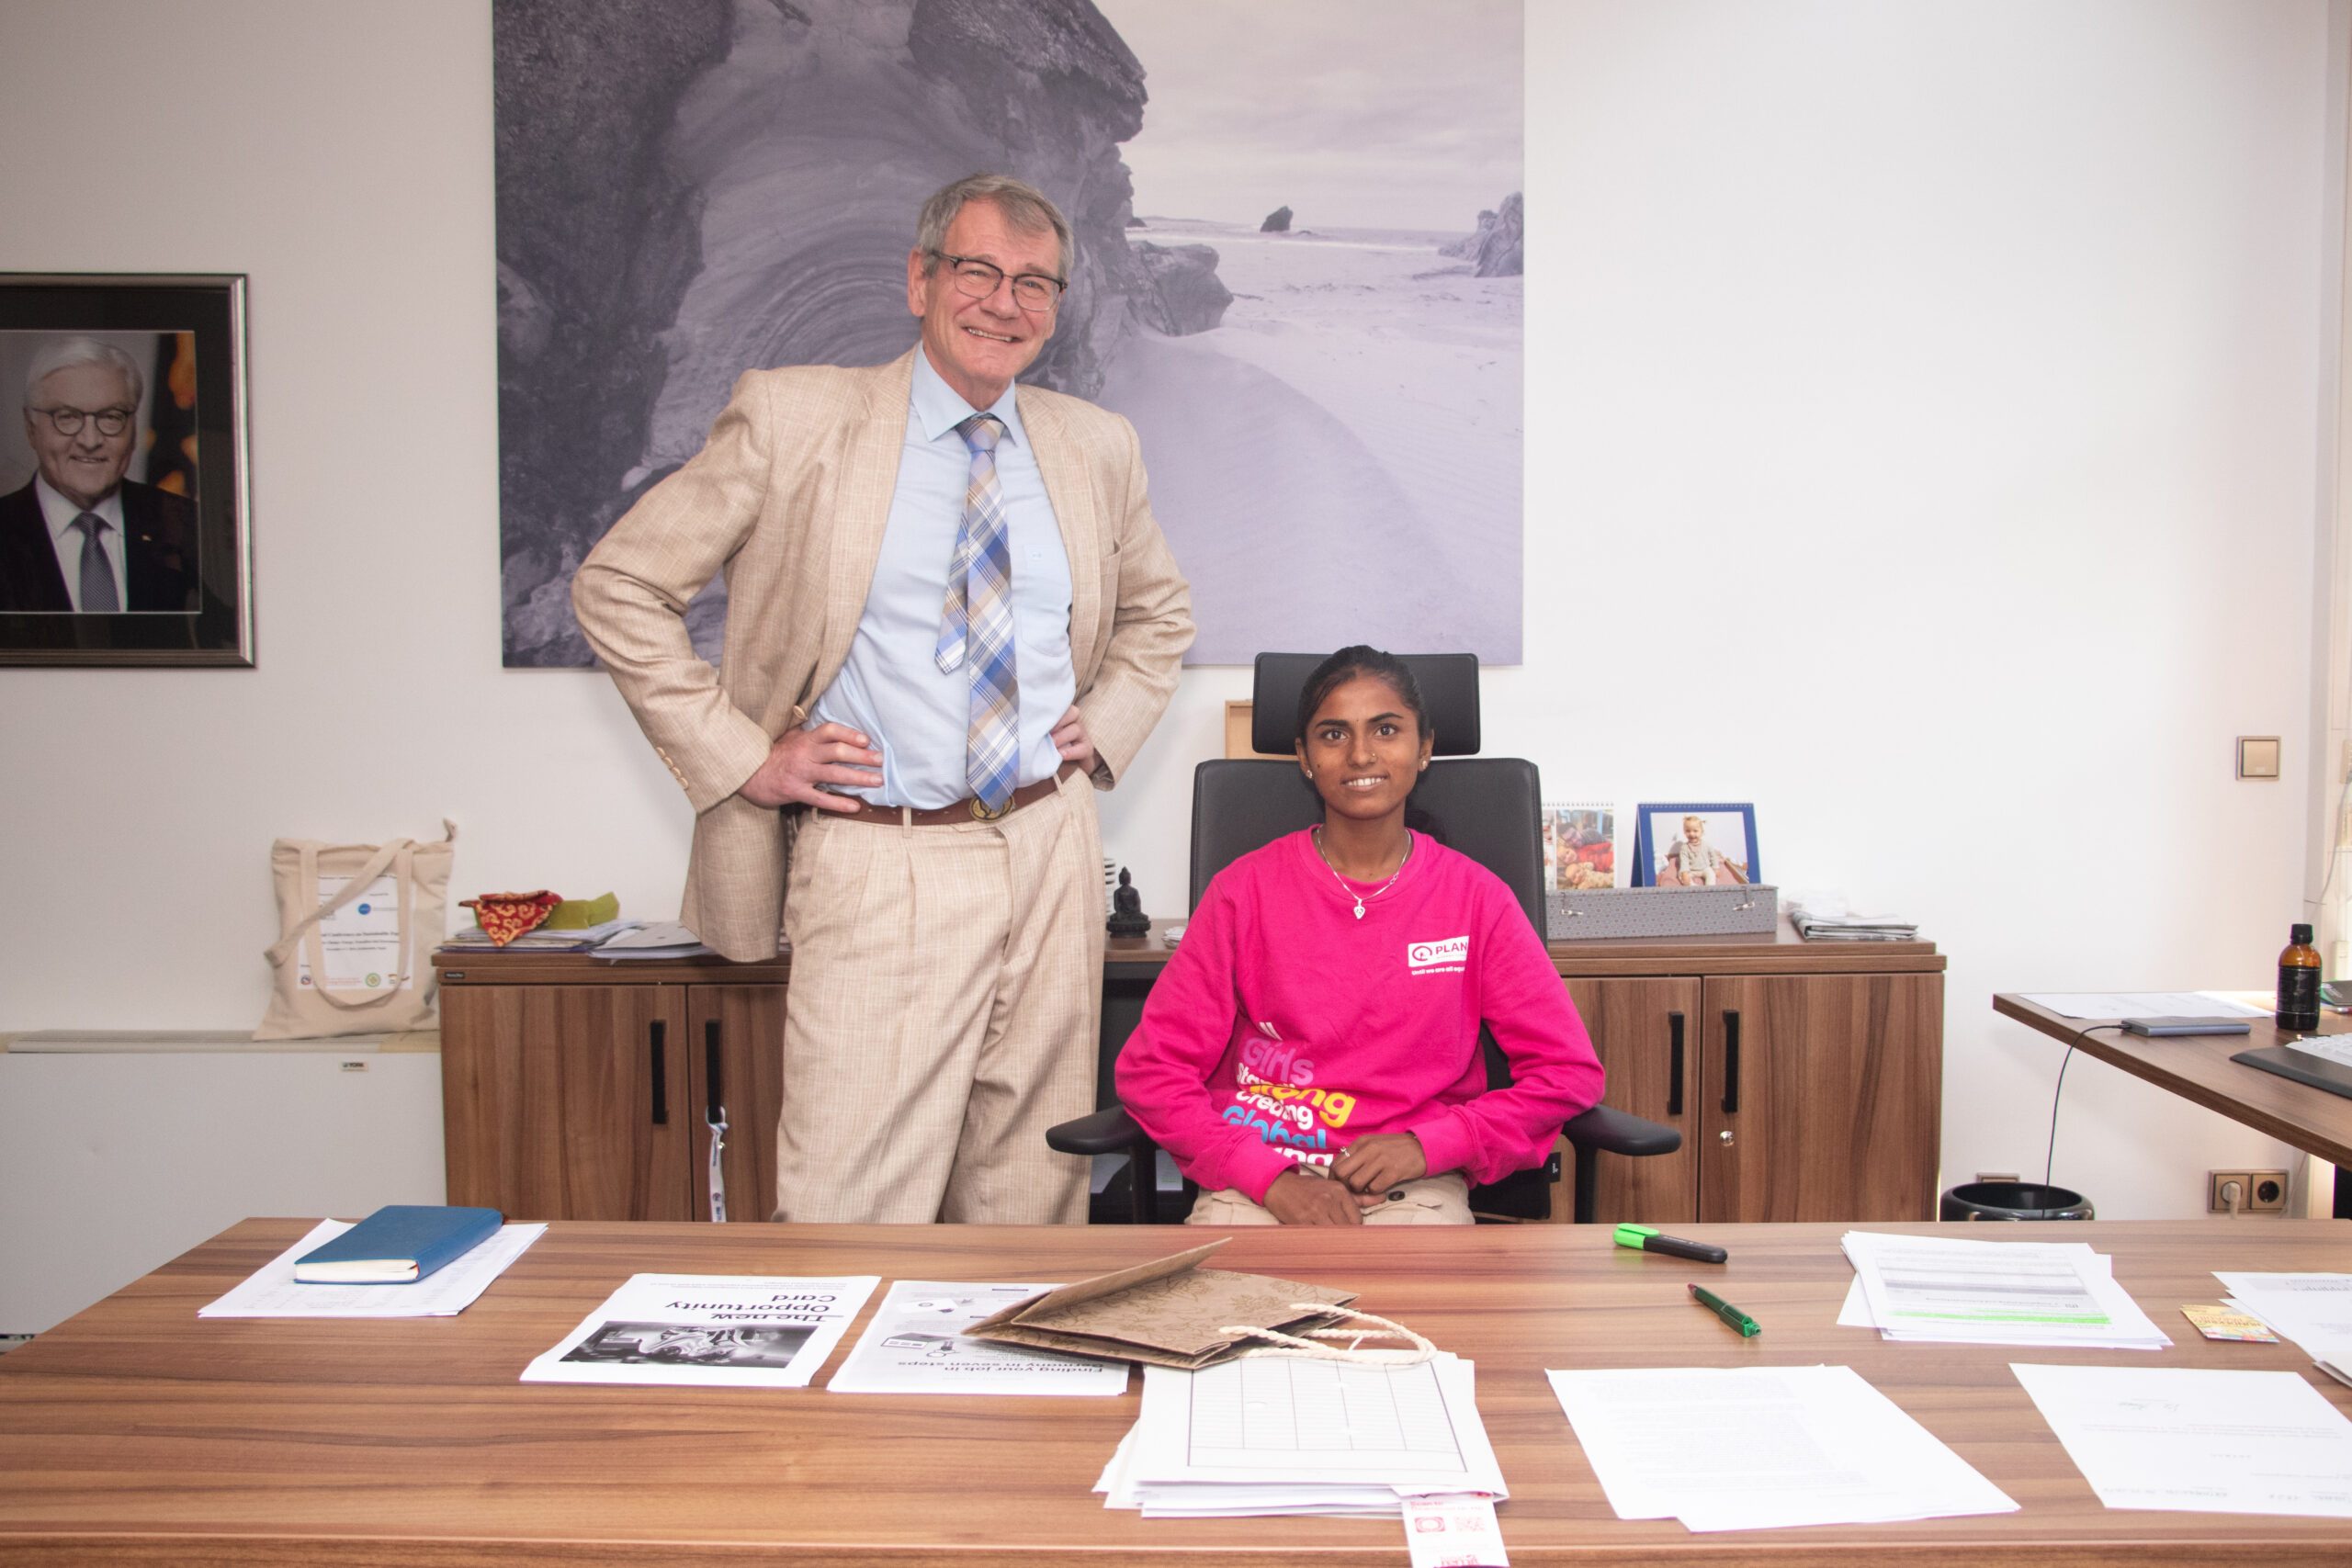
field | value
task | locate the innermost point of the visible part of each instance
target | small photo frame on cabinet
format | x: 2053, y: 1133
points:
x: 1694, y: 846
x: 123, y: 470
x: 1584, y: 846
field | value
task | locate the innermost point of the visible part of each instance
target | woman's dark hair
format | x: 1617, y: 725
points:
x: 1345, y: 666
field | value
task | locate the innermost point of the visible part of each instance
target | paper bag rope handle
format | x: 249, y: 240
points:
x: 1293, y: 1345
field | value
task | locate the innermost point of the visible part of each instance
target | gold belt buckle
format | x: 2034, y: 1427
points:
x: 986, y: 813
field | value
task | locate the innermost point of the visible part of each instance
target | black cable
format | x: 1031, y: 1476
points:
x: 2050, y: 1155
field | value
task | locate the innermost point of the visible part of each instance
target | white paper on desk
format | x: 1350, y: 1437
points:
x: 709, y: 1331
x: 1935, y: 1290
x: 273, y: 1291
x: 2141, y: 1004
x: 2336, y: 1048
x: 1760, y: 1448
x: 1855, y: 1310
x: 1279, y: 1433
x: 914, y: 1344
x: 2313, y: 1310
x: 2198, y: 1440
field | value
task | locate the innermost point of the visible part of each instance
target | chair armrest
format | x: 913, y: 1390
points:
x: 1617, y: 1132
x: 1110, y: 1130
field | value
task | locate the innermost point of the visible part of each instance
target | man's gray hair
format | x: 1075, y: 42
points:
x: 1023, y: 205
x: 65, y: 352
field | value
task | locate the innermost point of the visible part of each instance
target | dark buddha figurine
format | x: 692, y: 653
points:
x: 1127, y: 918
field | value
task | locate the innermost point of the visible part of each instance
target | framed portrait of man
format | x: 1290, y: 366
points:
x: 123, y: 530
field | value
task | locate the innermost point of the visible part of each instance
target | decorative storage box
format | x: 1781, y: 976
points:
x: 1660, y: 911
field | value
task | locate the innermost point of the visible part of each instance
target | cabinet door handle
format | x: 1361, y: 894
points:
x: 658, y: 1035
x: 717, y: 1107
x: 1731, y: 1063
x: 1674, y: 1063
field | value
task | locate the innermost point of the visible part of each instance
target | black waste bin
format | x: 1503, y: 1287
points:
x: 2013, y: 1200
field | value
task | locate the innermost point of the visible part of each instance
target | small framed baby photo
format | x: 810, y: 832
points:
x: 1582, y: 849
x: 1694, y: 846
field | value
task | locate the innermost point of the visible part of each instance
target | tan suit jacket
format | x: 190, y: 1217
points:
x: 789, y: 497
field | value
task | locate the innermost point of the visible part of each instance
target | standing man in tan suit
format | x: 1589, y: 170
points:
x: 951, y: 617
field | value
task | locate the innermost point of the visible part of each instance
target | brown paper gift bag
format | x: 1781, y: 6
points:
x: 1169, y: 1312
x: 375, y: 977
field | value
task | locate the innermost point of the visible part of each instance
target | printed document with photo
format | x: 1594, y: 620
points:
x: 709, y: 1331
x: 915, y: 1344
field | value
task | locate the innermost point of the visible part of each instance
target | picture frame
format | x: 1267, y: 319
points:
x: 130, y: 546
x: 1585, y: 845
x: 1664, y: 855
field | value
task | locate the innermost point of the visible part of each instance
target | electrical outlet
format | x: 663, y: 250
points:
x: 2246, y: 1191
x: 1996, y: 1175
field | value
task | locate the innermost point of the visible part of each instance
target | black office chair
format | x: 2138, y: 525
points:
x: 1489, y: 809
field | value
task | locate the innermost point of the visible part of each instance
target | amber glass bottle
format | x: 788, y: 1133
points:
x: 2297, y: 982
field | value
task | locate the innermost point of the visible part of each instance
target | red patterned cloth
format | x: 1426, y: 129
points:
x: 505, y: 916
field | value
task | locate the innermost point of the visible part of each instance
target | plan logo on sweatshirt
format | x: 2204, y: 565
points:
x: 1442, y: 957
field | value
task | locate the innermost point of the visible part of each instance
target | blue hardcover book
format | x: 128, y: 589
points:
x: 398, y: 1245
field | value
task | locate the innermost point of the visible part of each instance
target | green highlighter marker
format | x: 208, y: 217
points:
x: 1645, y: 1238
x: 1724, y: 1310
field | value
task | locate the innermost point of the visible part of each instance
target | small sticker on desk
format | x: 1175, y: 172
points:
x: 1454, y: 1529
x: 2220, y: 1323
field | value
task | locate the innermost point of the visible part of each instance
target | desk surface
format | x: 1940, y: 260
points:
x: 137, y: 1433
x: 2198, y: 1067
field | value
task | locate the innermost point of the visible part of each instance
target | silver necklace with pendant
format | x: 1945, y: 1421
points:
x: 1362, y: 900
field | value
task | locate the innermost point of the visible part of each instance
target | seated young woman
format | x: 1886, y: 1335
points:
x: 1310, y: 1055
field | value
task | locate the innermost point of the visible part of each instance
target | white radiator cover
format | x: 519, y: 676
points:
x: 120, y: 1151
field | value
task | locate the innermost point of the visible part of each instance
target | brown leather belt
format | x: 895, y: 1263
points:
x: 968, y: 810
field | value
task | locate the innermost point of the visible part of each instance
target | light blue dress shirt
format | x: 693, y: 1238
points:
x: 891, y: 688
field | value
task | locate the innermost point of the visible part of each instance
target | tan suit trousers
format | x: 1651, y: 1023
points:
x: 945, y: 997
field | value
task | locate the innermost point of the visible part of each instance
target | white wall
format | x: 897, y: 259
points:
x: 1923, y: 418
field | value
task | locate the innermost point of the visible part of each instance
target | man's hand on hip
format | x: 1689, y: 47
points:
x: 1071, y: 742
x: 801, y: 759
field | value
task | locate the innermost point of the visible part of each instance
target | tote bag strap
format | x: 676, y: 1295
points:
x: 398, y: 855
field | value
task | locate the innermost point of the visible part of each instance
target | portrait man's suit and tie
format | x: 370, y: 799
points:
x: 78, y: 536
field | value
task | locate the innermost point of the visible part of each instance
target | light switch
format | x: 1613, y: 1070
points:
x: 2257, y: 756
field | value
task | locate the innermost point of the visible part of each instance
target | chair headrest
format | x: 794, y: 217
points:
x: 1448, y: 682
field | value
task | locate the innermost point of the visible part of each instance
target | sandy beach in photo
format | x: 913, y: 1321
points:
x: 1340, y: 456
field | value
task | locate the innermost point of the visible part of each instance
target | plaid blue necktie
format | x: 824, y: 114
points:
x: 976, y: 630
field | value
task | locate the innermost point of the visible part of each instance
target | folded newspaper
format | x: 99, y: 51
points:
x: 1168, y: 1312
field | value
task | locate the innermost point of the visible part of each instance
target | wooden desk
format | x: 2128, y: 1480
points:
x: 2198, y: 1067
x: 136, y: 1433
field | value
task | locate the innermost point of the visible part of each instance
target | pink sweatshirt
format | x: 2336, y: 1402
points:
x: 1285, y: 1028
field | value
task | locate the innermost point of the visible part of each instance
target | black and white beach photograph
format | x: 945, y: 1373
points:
x: 1299, y: 246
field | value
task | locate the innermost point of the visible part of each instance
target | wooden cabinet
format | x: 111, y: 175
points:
x: 573, y: 1089
x: 1806, y: 1081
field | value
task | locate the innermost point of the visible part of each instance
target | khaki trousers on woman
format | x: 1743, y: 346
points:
x: 1430, y: 1201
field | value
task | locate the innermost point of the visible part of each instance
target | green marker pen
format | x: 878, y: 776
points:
x: 1724, y: 1310
x: 1645, y: 1238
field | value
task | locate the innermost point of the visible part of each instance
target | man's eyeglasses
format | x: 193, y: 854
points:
x: 68, y: 421
x: 1035, y: 292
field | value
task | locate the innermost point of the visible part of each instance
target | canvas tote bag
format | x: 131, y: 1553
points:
x: 356, y: 959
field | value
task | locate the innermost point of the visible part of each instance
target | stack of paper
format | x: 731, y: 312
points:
x: 657, y: 941
x: 2313, y: 1310
x: 2198, y: 1440
x: 1824, y: 918
x: 1935, y: 1290
x: 1760, y: 1448
x: 1286, y: 1435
